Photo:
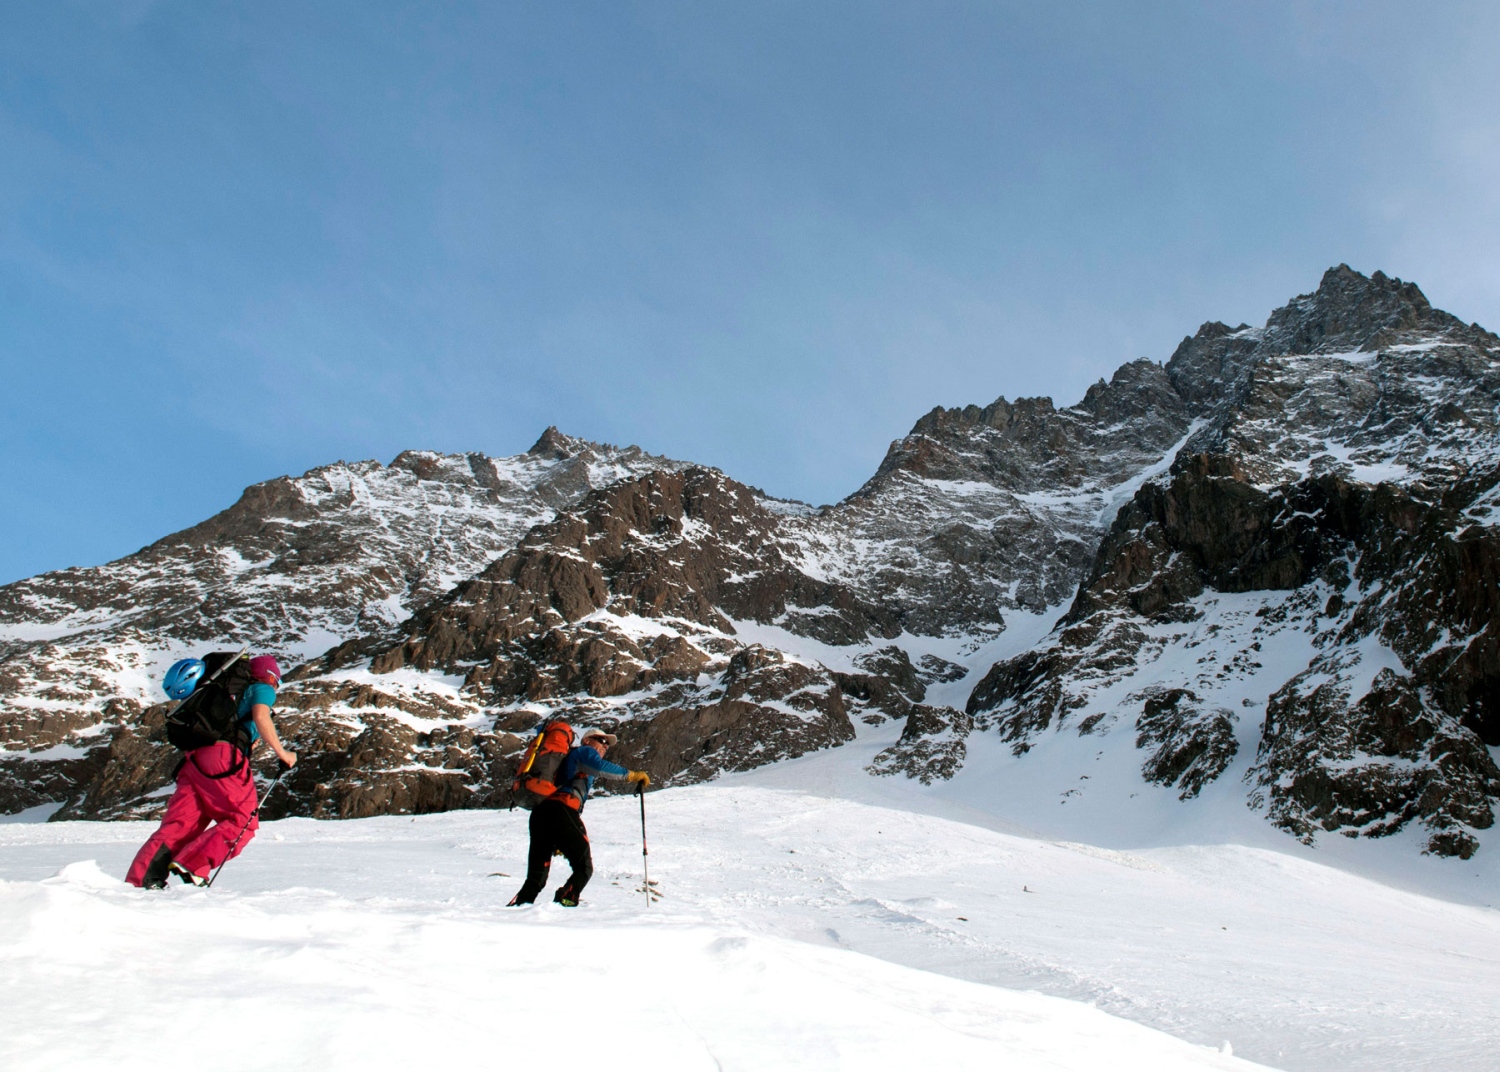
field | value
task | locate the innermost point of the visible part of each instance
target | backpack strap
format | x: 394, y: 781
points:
x: 244, y: 761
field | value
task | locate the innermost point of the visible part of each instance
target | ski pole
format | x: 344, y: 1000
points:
x: 640, y: 791
x: 281, y: 769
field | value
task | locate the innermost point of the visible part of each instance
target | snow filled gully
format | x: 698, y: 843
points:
x: 794, y: 932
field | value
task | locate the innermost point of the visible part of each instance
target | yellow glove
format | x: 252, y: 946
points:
x: 639, y: 776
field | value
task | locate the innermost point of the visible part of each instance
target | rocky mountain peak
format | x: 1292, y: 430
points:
x: 1029, y: 445
x: 1320, y: 551
x: 558, y: 446
x: 1350, y: 312
x: 1206, y: 364
x: 1137, y: 388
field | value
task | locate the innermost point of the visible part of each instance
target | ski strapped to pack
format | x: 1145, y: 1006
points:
x: 536, y: 778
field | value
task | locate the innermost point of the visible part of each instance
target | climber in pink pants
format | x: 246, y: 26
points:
x: 213, y: 807
x: 212, y: 813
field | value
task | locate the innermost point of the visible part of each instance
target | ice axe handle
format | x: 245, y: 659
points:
x: 640, y: 790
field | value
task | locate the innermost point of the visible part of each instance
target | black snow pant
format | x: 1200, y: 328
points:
x: 556, y: 827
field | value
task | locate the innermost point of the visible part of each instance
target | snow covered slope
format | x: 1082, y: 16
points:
x: 796, y: 930
x: 981, y: 512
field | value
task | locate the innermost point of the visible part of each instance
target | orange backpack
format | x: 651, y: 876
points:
x: 535, y: 778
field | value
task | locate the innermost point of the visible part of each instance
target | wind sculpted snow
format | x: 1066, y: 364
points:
x: 795, y: 931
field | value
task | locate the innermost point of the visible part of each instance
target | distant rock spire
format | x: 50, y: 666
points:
x: 1350, y: 312
x: 555, y: 445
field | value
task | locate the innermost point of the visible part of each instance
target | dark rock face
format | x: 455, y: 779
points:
x: 31, y: 783
x: 1425, y: 585
x: 768, y: 709
x: 674, y: 559
x: 692, y: 545
x: 890, y: 685
x: 1373, y: 764
x: 931, y: 746
x: 1191, y: 746
x: 1206, y: 367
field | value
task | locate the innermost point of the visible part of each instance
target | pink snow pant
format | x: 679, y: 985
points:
x: 227, y: 802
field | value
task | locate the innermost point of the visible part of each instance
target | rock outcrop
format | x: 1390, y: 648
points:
x: 623, y: 613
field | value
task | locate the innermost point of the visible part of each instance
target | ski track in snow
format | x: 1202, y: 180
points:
x: 372, y: 942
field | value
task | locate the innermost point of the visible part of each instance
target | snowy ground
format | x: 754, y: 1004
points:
x: 383, y: 943
x: 1197, y: 918
x: 796, y: 931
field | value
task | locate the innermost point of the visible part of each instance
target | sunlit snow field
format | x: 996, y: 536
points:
x: 798, y: 929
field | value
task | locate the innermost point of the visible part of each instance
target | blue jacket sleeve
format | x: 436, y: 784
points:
x: 594, y: 763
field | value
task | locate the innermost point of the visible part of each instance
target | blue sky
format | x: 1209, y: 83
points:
x: 240, y: 240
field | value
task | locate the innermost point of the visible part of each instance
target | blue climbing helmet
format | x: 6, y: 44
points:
x: 183, y: 678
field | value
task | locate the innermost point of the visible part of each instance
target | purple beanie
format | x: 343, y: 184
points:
x: 265, y: 666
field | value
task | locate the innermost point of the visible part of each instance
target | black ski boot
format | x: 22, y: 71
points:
x: 187, y: 876
x: 157, y: 870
